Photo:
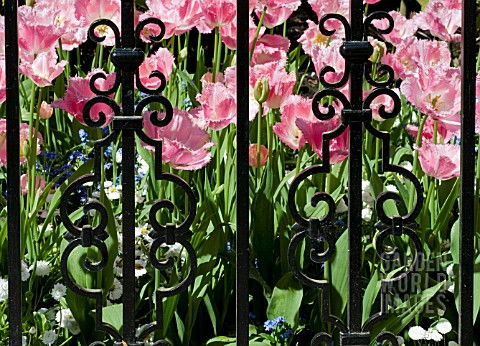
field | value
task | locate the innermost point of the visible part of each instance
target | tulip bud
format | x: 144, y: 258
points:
x: 46, y: 111
x: 261, y: 90
x: 182, y: 55
x: 253, y: 158
x: 25, y: 148
x: 378, y: 52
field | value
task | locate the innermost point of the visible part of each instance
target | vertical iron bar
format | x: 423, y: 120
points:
x: 243, y: 208
x: 13, y: 175
x: 355, y: 179
x: 128, y: 181
x: 467, y: 212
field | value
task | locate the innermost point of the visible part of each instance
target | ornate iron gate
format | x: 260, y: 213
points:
x: 356, y: 116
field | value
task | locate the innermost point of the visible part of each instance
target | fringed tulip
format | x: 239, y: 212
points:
x: 184, y: 144
x: 79, y: 92
x: 441, y: 161
x: 44, y: 69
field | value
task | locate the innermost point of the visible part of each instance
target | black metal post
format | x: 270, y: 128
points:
x: 355, y: 178
x: 243, y: 207
x: 13, y: 175
x: 467, y: 190
x: 128, y: 180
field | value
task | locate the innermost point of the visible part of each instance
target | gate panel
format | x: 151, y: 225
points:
x: 356, y: 117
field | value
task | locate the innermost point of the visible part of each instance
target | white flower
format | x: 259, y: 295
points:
x: 407, y: 165
x: 433, y: 334
x: 118, y: 266
x: 450, y: 272
x: 140, y: 267
x: 367, y: 214
x: 58, y: 291
x: 118, y: 156
x: 43, y: 268
x: 401, y: 341
x: 452, y: 343
x: 49, y: 337
x: 366, y: 193
x: 116, y: 291
x: 112, y: 191
x: 341, y: 207
x: 443, y: 327
x: 174, y: 251
x: 24, y: 340
x: 142, y: 166
x: 32, y: 330
x: 3, y: 290
x: 391, y: 188
x: 417, y: 333
x: 142, y: 231
x: 451, y: 287
x: 66, y: 320
x: 25, y: 271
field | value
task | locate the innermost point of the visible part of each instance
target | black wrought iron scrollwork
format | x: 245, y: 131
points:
x: 86, y: 237
x: 127, y: 121
x: 355, y: 116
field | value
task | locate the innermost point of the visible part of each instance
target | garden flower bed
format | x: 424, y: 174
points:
x: 194, y: 67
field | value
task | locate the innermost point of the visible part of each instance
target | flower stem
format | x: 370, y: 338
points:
x: 418, y: 143
x: 259, y: 139
x: 260, y: 23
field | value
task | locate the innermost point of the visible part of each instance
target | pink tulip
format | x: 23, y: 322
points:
x: 218, y: 13
x: 412, y: 53
x: 178, y: 16
x: 441, y: 161
x: 370, y: 2
x: 37, y: 31
x: 91, y: 10
x: 251, y: 5
x: 295, y: 107
x: 44, y: 69
x: 313, y: 37
x: 207, y: 78
x: 402, y: 29
x: 66, y: 18
x: 271, y: 48
x: 25, y: 138
x: 253, y: 158
x: 218, y: 107
x: 184, y: 144
x: 313, y: 132
x: 39, y: 184
x: 322, y: 7
x: 442, y: 18
x: 161, y: 61
x: 382, y: 100
x: 3, y: 80
x: 78, y: 93
x: 280, y: 82
x: 46, y: 110
x: 329, y: 56
x: 443, y: 135
x: 436, y: 92
x: 2, y: 36
x: 278, y: 11
x: 229, y: 34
